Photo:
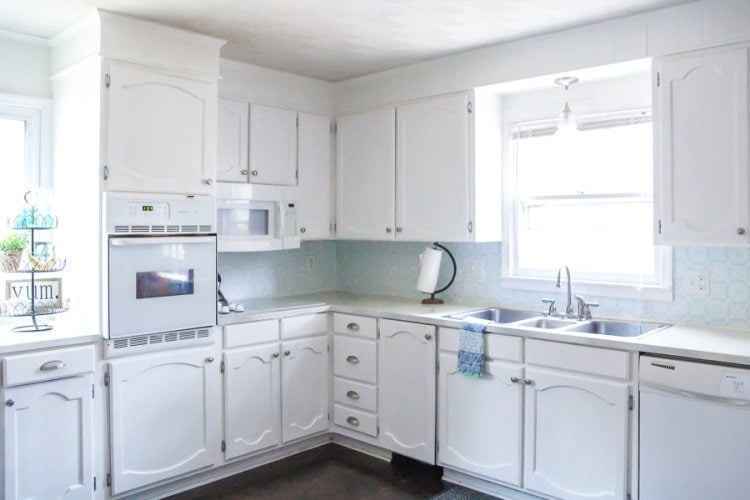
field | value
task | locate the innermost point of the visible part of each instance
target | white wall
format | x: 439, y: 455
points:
x: 24, y: 66
x: 690, y: 26
x: 276, y: 88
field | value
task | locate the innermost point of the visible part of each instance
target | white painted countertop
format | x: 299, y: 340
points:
x: 66, y: 331
x: 707, y: 343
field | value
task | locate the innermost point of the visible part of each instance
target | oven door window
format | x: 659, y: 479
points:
x: 155, y: 284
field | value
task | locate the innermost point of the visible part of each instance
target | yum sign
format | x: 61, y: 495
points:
x: 47, y: 290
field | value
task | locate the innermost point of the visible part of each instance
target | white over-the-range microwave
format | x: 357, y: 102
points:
x: 256, y: 217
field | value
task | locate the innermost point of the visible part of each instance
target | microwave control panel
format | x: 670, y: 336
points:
x: 290, y: 220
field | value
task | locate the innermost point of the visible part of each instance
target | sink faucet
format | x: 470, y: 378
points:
x: 569, y: 306
x: 584, y: 308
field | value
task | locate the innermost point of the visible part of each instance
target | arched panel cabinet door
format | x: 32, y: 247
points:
x: 164, y: 416
x: 407, y: 389
x: 576, y: 430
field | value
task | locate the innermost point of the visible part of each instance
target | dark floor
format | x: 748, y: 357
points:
x: 328, y: 472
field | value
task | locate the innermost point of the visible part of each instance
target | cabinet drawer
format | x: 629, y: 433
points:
x: 257, y: 332
x: 355, y: 394
x: 47, y: 365
x: 355, y: 420
x: 355, y: 358
x: 357, y: 326
x: 578, y: 358
x: 496, y: 346
x: 304, y: 326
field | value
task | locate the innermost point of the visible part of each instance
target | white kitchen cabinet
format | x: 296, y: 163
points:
x: 47, y: 429
x: 576, y: 435
x: 231, y: 157
x: 145, y: 104
x: 304, y: 382
x: 314, y: 216
x: 365, y: 175
x: 407, y: 358
x: 438, y: 180
x: 480, y: 419
x: 273, y: 145
x: 433, y: 190
x: 701, y: 148
x: 164, y: 418
x: 252, y: 399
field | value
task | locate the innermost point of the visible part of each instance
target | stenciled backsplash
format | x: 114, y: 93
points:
x: 391, y: 268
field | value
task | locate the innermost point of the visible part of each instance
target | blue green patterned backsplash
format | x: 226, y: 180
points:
x: 391, y: 268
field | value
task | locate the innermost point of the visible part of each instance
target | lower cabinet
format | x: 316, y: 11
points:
x: 164, y: 418
x: 47, y: 429
x: 407, y: 355
x: 304, y: 387
x: 576, y: 435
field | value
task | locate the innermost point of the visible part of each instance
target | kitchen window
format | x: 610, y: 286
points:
x: 585, y: 200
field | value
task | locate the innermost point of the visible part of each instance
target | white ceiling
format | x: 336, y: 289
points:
x: 336, y: 39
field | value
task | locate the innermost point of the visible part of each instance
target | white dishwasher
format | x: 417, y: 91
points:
x: 694, y: 430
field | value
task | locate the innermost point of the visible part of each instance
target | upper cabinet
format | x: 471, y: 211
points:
x: 273, y: 145
x: 231, y: 157
x: 161, y: 131
x: 314, y: 206
x: 701, y: 148
x: 413, y: 173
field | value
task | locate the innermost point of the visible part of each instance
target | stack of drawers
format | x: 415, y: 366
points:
x: 355, y: 370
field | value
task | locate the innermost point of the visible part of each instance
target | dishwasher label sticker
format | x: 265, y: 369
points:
x: 735, y: 385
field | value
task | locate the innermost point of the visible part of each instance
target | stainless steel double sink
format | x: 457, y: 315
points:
x: 529, y: 319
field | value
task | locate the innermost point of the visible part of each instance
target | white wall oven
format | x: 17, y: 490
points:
x: 161, y: 264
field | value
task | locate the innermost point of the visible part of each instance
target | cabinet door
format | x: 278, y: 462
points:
x: 304, y: 382
x: 164, y: 416
x: 47, y: 433
x: 407, y: 389
x: 365, y: 159
x: 576, y: 435
x: 231, y: 155
x: 273, y: 146
x: 314, y: 204
x: 701, y: 146
x: 252, y: 399
x: 161, y: 132
x: 433, y: 170
x: 479, y: 420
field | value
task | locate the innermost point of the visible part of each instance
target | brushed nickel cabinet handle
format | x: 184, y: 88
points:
x: 52, y: 365
x: 302, y: 230
x: 208, y: 181
x: 515, y: 380
x: 353, y: 327
x: 353, y: 395
x: 352, y: 421
x: 276, y: 355
x: 210, y: 359
x: 287, y: 353
x: 528, y: 381
x: 428, y: 337
x: 353, y: 360
x: 10, y: 403
x: 388, y: 230
x: 741, y: 231
x: 254, y: 173
x: 244, y: 172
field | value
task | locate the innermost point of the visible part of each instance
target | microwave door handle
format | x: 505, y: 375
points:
x: 160, y: 240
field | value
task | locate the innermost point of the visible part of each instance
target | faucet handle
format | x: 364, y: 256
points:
x: 552, y: 309
x: 584, y: 308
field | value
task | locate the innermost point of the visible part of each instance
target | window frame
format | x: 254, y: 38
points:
x: 36, y: 112
x: 592, y: 284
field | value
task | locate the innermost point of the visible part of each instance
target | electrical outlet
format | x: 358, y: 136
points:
x: 476, y: 269
x: 310, y: 263
x: 699, y: 282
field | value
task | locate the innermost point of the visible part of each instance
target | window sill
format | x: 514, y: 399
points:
x: 591, y: 290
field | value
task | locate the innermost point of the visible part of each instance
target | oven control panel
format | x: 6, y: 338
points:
x: 149, y: 211
x: 128, y: 213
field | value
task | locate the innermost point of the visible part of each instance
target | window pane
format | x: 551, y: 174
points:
x: 12, y: 164
x: 594, y: 161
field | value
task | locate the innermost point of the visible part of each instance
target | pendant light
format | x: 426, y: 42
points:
x: 566, y: 122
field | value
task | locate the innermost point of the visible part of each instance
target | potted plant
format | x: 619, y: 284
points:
x: 10, y: 251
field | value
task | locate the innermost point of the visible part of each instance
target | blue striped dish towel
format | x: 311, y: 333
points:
x: 471, y: 347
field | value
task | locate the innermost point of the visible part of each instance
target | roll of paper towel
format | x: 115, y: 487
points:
x: 429, y: 269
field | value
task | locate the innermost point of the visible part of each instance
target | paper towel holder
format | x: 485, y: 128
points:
x: 432, y: 300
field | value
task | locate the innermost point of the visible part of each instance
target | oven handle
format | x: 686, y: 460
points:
x: 160, y: 240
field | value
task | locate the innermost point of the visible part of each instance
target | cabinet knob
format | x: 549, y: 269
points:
x: 287, y: 353
x: 10, y: 403
x: 741, y: 231
x: 528, y: 381
x: 353, y: 327
x: 515, y: 380
x: 52, y: 365
x: 254, y: 173
x: 302, y: 230
x: 208, y: 181
x: 276, y: 355
x: 428, y: 337
x: 244, y: 172
x: 399, y: 229
x: 388, y: 230
x: 352, y: 421
x: 353, y: 395
x: 353, y: 360
x: 210, y: 359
